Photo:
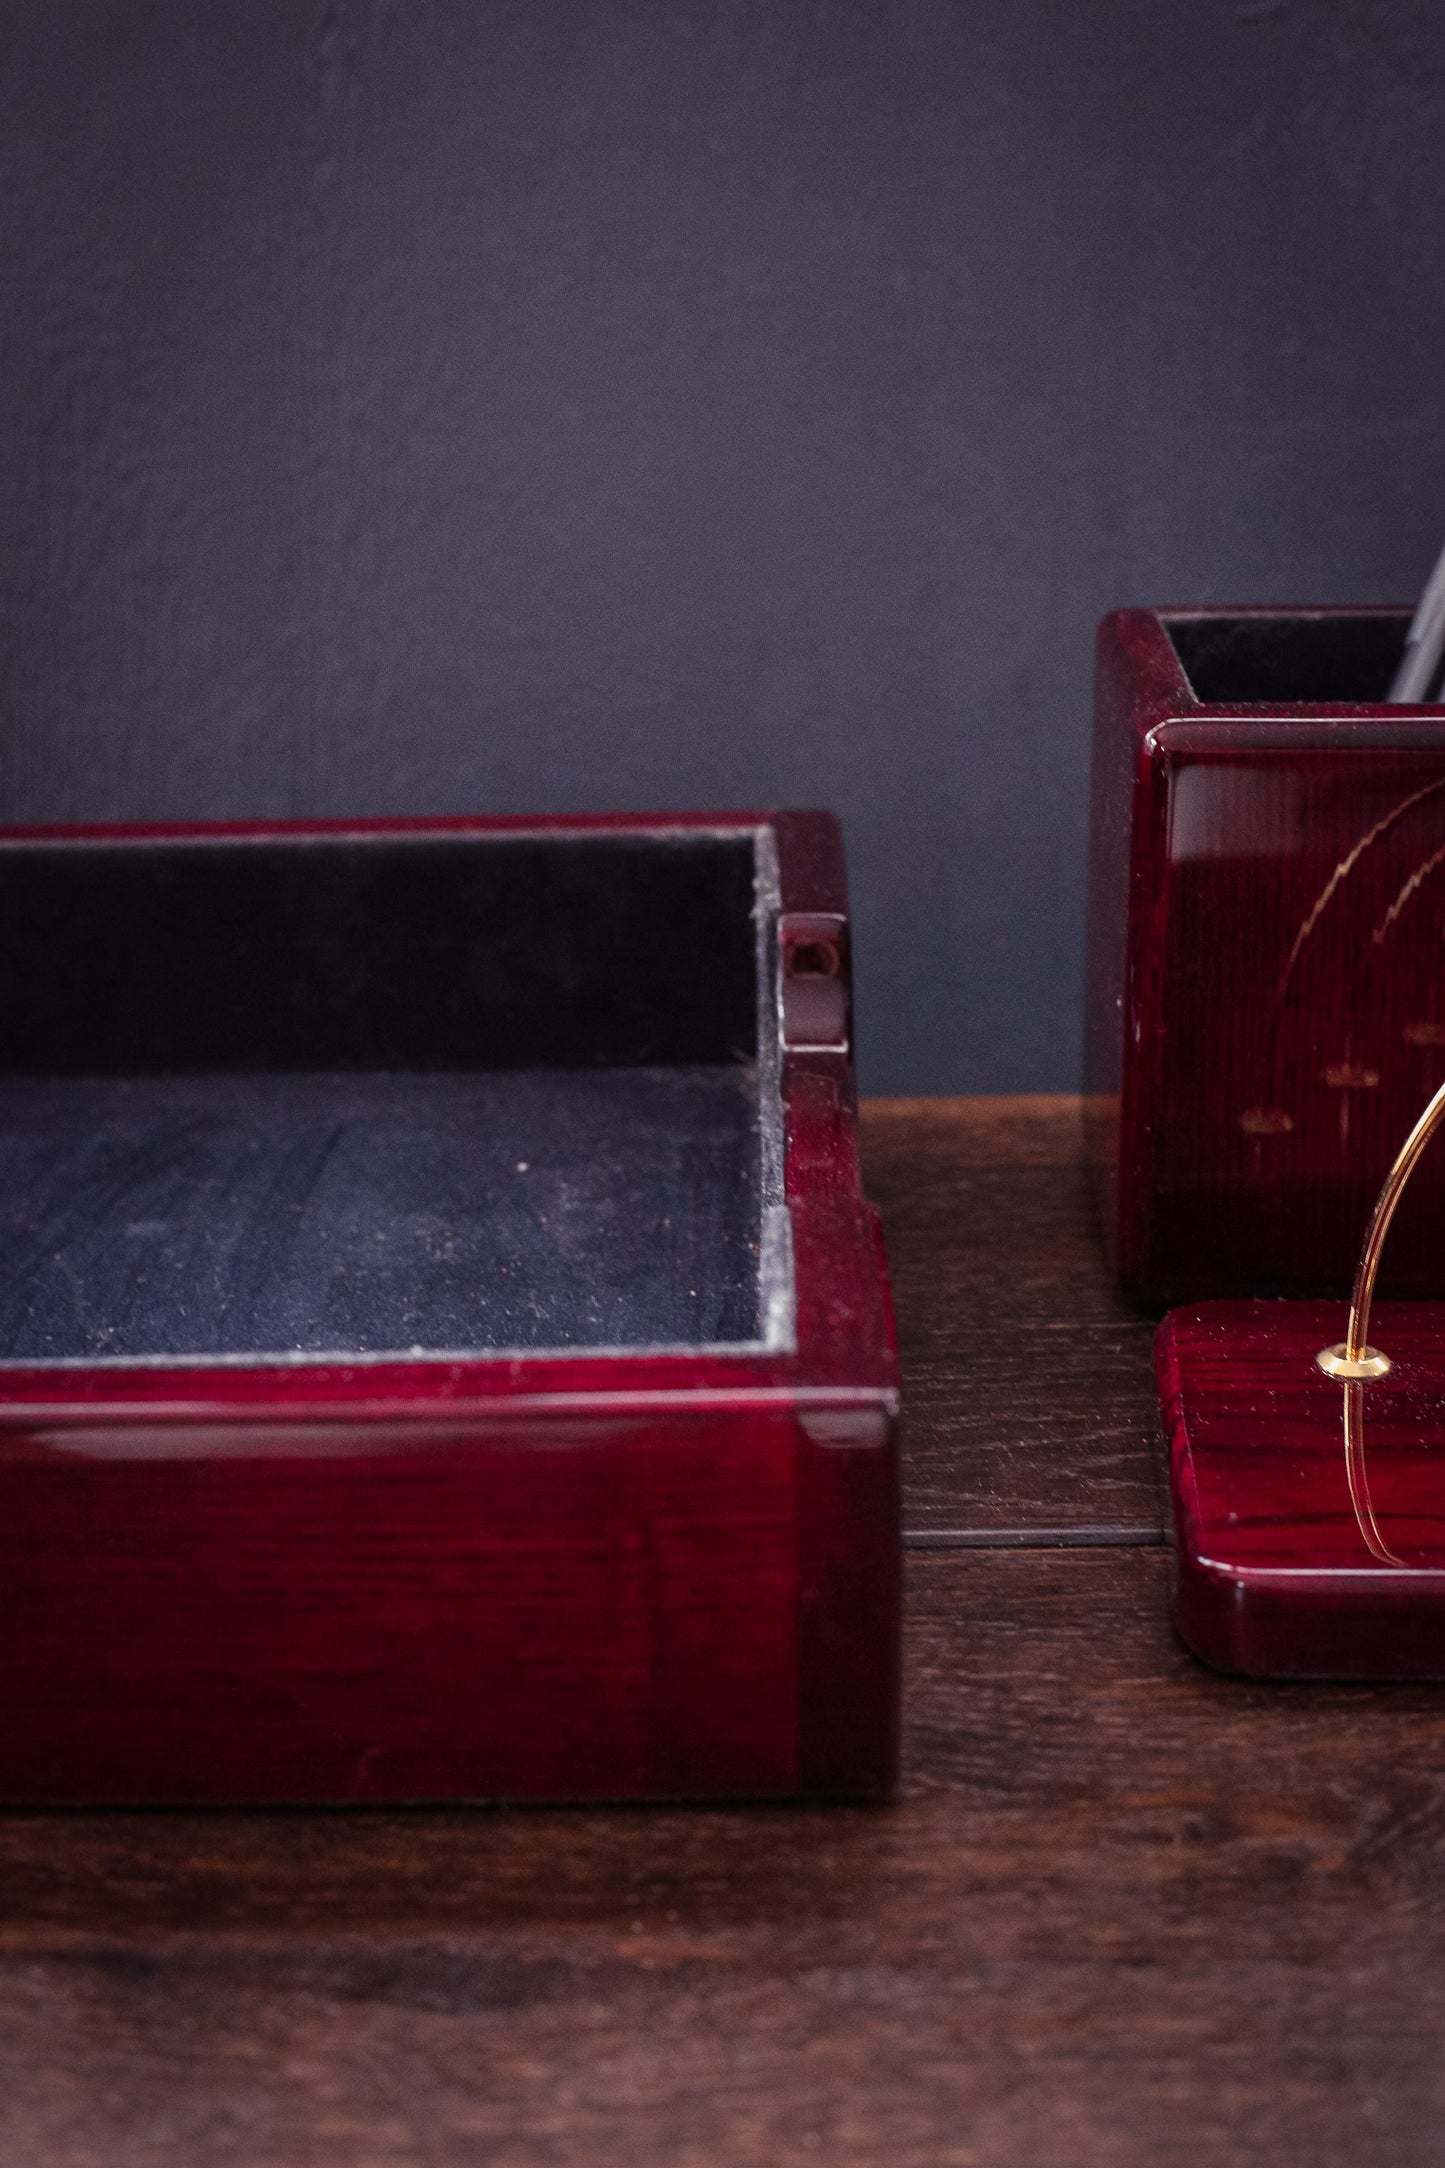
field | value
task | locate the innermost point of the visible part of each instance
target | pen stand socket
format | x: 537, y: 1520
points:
x: 1266, y: 1004
x: 1309, y: 1510
x: 1309, y: 1514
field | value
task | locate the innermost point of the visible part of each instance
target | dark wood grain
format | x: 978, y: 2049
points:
x: 1027, y: 1380
x: 1126, y: 1912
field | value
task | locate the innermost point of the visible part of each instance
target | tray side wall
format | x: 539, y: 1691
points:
x: 665, y: 1606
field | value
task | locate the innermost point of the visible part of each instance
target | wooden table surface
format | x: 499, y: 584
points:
x: 1124, y: 1911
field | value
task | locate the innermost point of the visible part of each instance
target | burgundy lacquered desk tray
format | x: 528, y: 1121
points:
x: 445, y: 1352
x: 1266, y: 1005
x: 1309, y: 1513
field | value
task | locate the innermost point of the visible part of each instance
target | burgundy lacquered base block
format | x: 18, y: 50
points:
x: 1266, y: 1012
x: 445, y: 1351
x: 1309, y: 1516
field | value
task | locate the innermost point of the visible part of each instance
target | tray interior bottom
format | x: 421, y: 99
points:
x: 367, y: 1213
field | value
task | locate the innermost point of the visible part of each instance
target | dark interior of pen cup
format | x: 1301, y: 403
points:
x: 1290, y: 656
x: 374, y: 1096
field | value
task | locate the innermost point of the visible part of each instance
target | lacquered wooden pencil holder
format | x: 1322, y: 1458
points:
x: 1266, y: 997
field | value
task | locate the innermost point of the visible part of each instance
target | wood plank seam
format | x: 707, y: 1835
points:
x: 1032, y: 1539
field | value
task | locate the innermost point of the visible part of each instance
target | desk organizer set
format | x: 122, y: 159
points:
x: 445, y: 1352
x: 1266, y: 1047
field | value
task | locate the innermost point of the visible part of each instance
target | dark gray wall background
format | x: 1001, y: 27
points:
x: 554, y: 404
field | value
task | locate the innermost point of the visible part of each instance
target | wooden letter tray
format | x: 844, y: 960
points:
x: 445, y: 1352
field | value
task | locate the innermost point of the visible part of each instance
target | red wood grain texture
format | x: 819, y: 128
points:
x: 1265, y: 1004
x: 1302, y: 1550
x: 549, y: 1576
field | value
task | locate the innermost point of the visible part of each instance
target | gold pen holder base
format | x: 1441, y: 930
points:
x: 1338, y: 1362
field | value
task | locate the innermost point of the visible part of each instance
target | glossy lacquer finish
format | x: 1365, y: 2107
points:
x: 1266, y: 1002
x: 1309, y: 1516
x: 534, y: 1576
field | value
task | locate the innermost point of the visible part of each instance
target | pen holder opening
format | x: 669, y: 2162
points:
x: 1288, y: 656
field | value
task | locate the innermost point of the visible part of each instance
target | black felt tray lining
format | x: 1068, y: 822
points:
x: 427, y: 1095
x: 369, y: 1213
